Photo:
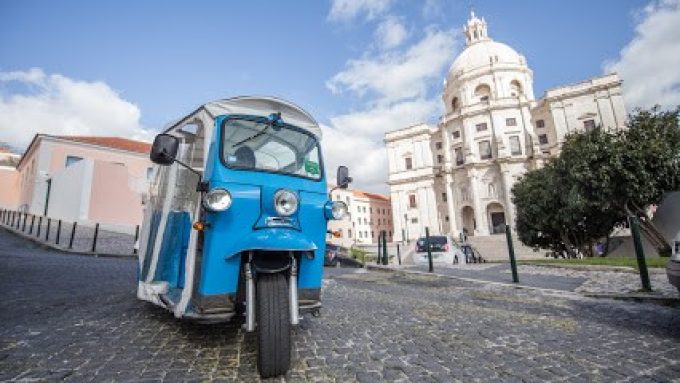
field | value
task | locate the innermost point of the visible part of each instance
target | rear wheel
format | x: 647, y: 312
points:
x: 273, y: 325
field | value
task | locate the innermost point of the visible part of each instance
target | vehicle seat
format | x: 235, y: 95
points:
x: 245, y: 157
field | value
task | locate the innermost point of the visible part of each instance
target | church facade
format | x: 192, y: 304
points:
x: 456, y: 176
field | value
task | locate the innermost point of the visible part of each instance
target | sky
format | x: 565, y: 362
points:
x: 360, y: 67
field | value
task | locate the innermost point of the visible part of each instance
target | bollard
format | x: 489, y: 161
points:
x: 30, y: 231
x: 379, y: 261
x: 73, y: 233
x: 398, y: 255
x: 47, y: 230
x: 639, y: 253
x: 23, y: 228
x: 94, y: 240
x: 134, y: 250
x: 511, y: 251
x: 39, y: 225
x: 13, y: 218
x: 58, y: 232
x: 429, y: 250
x: 386, y: 256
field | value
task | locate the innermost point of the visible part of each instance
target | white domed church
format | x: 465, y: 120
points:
x: 456, y: 177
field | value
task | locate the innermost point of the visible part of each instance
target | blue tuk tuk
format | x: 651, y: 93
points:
x: 236, y: 220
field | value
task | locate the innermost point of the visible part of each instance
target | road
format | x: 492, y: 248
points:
x: 76, y: 318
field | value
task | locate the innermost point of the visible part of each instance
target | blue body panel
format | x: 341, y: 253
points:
x: 244, y: 225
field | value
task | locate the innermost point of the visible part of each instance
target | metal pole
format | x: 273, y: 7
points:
x: 511, y: 251
x: 47, y: 231
x: 134, y: 250
x: 73, y: 233
x: 386, y: 258
x: 39, y: 225
x: 58, y: 231
x: 398, y: 255
x: 640, y: 254
x: 94, y: 240
x: 30, y: 231
x: 13, y: 216
x: 429, y: 250
x: 23, y: 228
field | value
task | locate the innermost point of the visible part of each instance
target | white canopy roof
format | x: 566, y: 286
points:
x: 256, y: 106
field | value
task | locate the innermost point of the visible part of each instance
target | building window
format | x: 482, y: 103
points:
x: 515, y: 146
x: 358, y: 209
x: 370, y: 210
x: 70, y: 160
x: 444, y: 197
x: 483, y: 91
x: 412, y: 201
x: 409, y: 163
x: 149, y: 174
x: 366, y: 234
x: 543, y: 139
x: 440, y: 158
x: 372, y: 234
x: 360, y: 235
x: 510, y: 122
x: 459, y: 156
x: 589, y: 125
x: 414, y: 220
x: 481, y: 127
x: 540, y: 124
x: 438, y: 145
x: 454, y: 104
x: 447, y: 218
x: 515, y: 88
x: 455, y: 134
x: 349, y: 233
x: 485, y: 150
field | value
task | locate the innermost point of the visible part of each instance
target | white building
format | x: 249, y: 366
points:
x: 456, y: 176
x: 369, y: 214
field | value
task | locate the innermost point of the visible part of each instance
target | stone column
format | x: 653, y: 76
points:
x: 507, y: 185
x: 453, y: 226
x: 480, y: 210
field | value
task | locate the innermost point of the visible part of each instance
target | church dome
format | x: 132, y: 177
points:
x: 482, y: 51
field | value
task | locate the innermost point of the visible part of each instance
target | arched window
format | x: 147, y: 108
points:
x: 515, y: 88
x: 454, y: 104
x: 483, y: 91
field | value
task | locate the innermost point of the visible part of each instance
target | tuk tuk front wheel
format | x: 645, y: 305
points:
x: 273, y: 325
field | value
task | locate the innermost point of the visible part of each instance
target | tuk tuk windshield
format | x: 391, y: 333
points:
x: 261, y: 145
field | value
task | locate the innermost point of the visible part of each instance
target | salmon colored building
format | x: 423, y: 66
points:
x: 84, y: 178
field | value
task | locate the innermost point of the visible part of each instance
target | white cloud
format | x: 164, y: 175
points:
x: 649, y: 63
x: 401, y: 89
x: 397, y: 76
x: 347, y: 10
x: 390, y: 33
x: 58, y: 105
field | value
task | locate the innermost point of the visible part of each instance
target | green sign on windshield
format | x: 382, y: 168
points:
x: 311, y: 167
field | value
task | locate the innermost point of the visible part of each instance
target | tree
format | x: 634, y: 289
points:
x: 599, y: 179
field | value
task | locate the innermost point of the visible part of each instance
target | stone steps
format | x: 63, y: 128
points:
x: 495, y: 248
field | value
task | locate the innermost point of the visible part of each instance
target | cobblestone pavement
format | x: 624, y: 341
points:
x: 74, y: 318
x: 580, y: 280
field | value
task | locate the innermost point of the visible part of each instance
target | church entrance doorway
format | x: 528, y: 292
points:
x: 469, y: 224
x: 496, y: 218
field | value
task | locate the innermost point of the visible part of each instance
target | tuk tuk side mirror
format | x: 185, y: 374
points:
x: 343, y: 178
x: 164, y: 149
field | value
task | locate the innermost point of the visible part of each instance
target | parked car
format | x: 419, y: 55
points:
x: 443, y: 249
x: 673, y: 266
x: 332, y: 254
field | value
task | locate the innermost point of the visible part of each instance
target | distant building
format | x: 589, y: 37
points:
x: 369, y: 214
x: 456, y: 176
x: 89, y: 179
x: 9, y: 178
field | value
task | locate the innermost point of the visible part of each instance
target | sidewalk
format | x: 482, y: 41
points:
x: 586, y: 282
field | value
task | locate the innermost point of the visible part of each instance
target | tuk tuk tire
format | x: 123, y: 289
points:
x: 273, y: 325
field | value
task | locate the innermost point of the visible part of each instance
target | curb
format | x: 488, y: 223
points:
x: 636, y: 297
x: 50, y: 246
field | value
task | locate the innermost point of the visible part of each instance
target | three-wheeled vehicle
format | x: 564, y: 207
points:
x: 236, y: 219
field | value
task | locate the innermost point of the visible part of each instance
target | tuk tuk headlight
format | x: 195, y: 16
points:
x: 285, y: 202
x: 336, y: 210
x: 217, y: 200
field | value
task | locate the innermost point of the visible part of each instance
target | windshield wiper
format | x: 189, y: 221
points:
x: 273, y: 120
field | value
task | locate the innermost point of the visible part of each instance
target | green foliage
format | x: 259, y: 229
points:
x: 599, y: 178
x: 652, y: 262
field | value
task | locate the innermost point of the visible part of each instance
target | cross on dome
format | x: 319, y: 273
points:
x: 475, y: 30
